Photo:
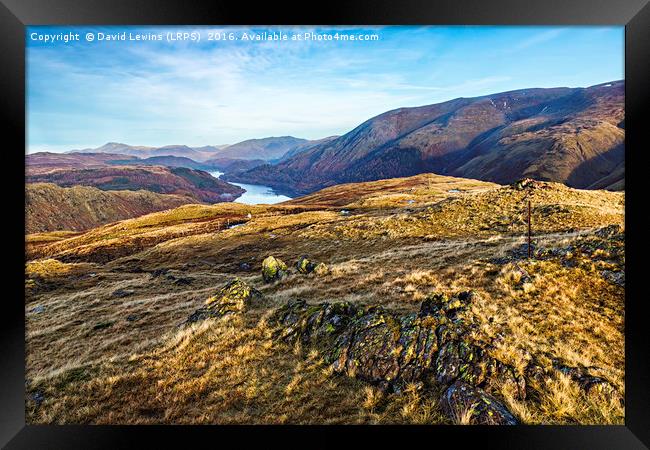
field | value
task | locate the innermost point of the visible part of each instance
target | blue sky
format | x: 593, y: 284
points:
x: 83, y: 94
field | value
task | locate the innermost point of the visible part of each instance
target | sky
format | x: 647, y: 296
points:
x: 193, y: 90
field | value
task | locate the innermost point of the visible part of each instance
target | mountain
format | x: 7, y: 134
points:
x: 197, y: 154
x: 50, y: 207
x: 569, y: 135
x: 196, y: 184
x: 43, y: 162
x: 266, y: 148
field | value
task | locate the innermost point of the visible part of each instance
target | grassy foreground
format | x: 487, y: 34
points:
x: 105, y: 308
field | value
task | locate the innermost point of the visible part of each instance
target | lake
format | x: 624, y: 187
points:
x: 255, y: 194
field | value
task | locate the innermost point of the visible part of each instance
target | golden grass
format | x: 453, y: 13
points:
x: 146, y: 370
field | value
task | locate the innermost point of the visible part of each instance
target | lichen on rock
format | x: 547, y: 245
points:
x: 430, y: 347
x: 470, y: 404
x: 234, y: 297
x: 273, y: 269
x: 304, y: 265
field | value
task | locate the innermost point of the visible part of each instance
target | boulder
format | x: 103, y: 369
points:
x: 273, y: 269
x: 471, y: 405
x: 321, y: 269
x: 304, y: 265
x: 234, y: 297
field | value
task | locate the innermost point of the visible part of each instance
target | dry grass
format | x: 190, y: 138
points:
x: 93, y: 364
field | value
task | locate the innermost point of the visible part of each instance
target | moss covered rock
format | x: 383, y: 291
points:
x: 304, y: 265
x: 273, y: 269
x: 432, y: 347
x: 234, y: 297
x: 321, y: 269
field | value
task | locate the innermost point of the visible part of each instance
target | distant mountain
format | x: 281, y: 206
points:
x: 196, y: 184
x: 571, y: 135
x: 50, y: 207
x: 43, y: 162
x: 267, y: 148
x: 146, y: 152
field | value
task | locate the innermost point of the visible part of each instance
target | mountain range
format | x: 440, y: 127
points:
x: 570, y: 135
x: 264, y: 149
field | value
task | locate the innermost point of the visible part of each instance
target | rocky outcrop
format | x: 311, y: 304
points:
x: 234, y: 297
x: 430, y: 347
x: 273, y: 269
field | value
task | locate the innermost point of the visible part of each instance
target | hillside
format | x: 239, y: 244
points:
x: 195, y: 184
x: 569, y: 135
x: 424, y: 310
x: 49, y: 207
x: 168, y: 161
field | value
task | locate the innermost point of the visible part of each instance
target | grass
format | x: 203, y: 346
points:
x: 148, y: 370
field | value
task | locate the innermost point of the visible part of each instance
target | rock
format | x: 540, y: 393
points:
x: 609, y: 231
x: 102, y: 325
x: 437, y: 303
x: 525, y: 183
x: 321, y: 269
x: 234, y: 297
x: 159, y: 272
x: 472, y: 405
x: 273, y: 269
x: 119, y: 293
x: 389, y: 350
x: 617, y: 278
x: 183, y: 281
x: 37, y: 309
x: 304, y: 265
x: 38, y: 397
x: 592, y: 385
x: 245, y: 266
x: 133, y: 317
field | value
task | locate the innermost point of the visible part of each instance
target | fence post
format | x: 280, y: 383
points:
x: 529, y: 243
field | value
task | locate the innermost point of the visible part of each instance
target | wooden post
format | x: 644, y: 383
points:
x: 530, y: 252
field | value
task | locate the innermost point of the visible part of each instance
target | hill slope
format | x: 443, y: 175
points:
x: 50, y: 207
x: 392, y: 247
x: 569, y: 135
x: 196, y: 184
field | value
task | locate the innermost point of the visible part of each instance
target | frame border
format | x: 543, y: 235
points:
x: 16, y: 14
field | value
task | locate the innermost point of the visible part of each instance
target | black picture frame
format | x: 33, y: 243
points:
x: 16, y: 14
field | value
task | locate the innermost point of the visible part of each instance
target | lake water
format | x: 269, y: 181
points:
x: 255, y: 194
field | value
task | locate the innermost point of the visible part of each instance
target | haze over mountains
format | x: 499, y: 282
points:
x: 570, y: 135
